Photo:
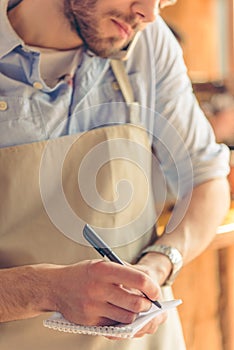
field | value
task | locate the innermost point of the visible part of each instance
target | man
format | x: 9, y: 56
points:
x: 56, y: 80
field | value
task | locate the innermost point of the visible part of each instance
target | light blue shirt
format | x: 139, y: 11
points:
x: 31, y: 111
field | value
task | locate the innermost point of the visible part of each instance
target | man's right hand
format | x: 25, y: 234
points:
x: 91, y: 292
x: 101, y: 293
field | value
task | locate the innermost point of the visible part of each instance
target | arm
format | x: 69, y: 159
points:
x: 89, y: 292
x: 208, y: 206
x: 192, y: 163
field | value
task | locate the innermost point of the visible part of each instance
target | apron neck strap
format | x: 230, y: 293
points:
x: 122, y: 78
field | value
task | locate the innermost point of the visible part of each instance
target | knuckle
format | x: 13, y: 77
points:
x: 99, y: 268
x: 143, y: 280
x: 92, y: 268
x: 128, y: 317
x: 137, y: 304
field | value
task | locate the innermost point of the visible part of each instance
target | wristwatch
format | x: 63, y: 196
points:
x: 173, y: 255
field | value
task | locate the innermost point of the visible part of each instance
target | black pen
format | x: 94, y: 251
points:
x: 97, y: 243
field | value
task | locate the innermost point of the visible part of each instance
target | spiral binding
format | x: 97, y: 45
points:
x: 59, y: 323
x: 68, y: 327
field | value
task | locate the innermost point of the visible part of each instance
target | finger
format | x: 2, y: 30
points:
x: 114, y: 338
x: 152, y: 326
x: 117, y: 314
x: 128, y: 299
x: 125, y: 275
x: 103, y: 321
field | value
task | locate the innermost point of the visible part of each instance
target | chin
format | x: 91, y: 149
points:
x: 108, y: 52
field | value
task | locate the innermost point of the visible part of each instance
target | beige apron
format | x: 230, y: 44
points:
x: 49, y: 190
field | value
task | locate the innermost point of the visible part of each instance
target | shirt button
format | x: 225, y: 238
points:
x: 115, y: 86
x: 37, y: 85
x: 3, y: 105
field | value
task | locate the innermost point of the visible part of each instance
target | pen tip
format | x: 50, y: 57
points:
x: 155, y: 302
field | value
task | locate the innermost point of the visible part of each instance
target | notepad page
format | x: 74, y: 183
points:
x: 59, y: 323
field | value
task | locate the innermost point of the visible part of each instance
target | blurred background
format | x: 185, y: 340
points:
x: 205, y: 31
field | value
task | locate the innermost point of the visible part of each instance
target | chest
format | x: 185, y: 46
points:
x: 32, y: 111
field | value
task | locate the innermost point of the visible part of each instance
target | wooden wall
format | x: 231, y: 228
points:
x: 198, y: 23
x: 199, y: 288
x: 206, y: 286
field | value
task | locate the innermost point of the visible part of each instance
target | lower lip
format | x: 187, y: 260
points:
x: 122, y: 32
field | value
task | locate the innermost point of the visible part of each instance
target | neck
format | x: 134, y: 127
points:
x: 42, y: 23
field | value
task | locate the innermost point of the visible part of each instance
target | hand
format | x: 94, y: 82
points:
x: 155, y: 265
x: 152, y: 326
x: 149, y: 328
x: 148, y: 265
x: 101, y: 293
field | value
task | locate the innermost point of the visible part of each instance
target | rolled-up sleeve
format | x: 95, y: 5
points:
x: 184, y: 142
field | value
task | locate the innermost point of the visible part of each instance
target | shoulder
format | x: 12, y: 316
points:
x: 160, y: 32
x: 158, y: 42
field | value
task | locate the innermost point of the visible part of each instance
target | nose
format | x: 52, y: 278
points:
x: 146, y: 10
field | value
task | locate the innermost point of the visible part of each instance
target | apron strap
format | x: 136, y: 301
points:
x: 122, y: 78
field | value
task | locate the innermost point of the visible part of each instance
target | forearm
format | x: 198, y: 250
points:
x: 89, y: 292
x: 25, y: 292
x: 206, y: 210
x: 208, y: 206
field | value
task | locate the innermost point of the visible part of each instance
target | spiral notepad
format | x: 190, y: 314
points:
x: 59, y: 323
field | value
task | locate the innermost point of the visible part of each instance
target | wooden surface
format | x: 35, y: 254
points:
x: 206, y: 286
x: 198, y: 287
x: 226, y: 257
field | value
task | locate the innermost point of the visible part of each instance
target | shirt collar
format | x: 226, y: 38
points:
x: 9, y: 39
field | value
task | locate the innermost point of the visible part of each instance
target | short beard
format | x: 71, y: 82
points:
x: 85, y: 27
